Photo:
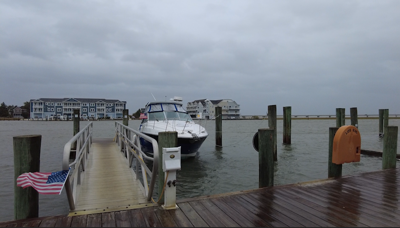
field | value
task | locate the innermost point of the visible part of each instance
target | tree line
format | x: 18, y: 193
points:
x: 8, y: 110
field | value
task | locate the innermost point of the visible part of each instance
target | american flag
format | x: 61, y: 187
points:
x: 143, y: 116
x: 44, y: 183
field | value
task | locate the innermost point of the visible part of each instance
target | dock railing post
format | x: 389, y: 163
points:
x: 287, y: 125
x: 166, y: 139
x: 272, y: 125
x: 266, y: 157
x: 26, y: 159
x: 354, y: 116
x: 389, y: 153
x: 218, y: 126
x: 334, y: 170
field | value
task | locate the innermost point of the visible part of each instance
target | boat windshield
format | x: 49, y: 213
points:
x: 178, y: 116
x: 184, y: 116
x: 156, y: 116
x: 170, y: 116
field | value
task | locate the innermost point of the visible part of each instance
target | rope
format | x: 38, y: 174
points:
x: 162, y: 193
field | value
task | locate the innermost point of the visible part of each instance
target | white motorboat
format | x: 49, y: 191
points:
x: 162, y: 116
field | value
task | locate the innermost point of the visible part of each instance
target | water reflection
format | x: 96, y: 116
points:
x: 286, y: 148
x: 345, y: 198
x: 218, y: 152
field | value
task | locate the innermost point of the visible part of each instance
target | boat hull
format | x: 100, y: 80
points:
x: 189, y: 146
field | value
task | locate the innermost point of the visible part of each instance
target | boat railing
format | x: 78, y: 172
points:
x: 76, y: 152
x: 129, y: 141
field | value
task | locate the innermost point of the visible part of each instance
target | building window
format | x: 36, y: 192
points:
x: 52, y: 109
x: 92, y: 110
x: 91, y: 104
x: 84, y: 109
x: 58, y: 109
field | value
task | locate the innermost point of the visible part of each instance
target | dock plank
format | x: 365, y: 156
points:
x: 108, y: 219
x: 233, y: 214
x: 137, y: 218
x: 93, y: 220
x: 150, y: 217
x: 205, y: 214
x: 224, y: 218
x: 192, y: 215
x: 180, y: 218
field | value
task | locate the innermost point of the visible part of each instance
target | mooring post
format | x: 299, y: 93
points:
x: 385, y: 119
x: 389, y: 152
x: 272, y: 125
x: 166, y: 139
x: 125, y: 114
x: 340, y: 117
x: 125, y: 121
x: 76, y: 129
x: 380, y: 122
x: 354, y: 116
x: 218, y: 126
x: 334, y: 170
x: 26, y: 159
x: 266, y: 157
x: 287, y: 125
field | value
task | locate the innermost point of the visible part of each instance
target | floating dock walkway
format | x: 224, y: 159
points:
x: 109, y: 182
x: 366, y: 200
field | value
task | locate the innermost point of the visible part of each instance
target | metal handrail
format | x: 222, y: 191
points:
x: 80, y: 145
x: 129, y: 140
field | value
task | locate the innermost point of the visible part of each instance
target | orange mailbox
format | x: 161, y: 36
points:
x: 346, y: 145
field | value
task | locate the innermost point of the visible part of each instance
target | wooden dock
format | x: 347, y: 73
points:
x: 369, y: 199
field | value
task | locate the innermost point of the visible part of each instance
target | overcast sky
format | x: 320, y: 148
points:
x: 315, y: 56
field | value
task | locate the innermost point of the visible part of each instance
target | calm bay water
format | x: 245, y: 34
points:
x: 231, y: 168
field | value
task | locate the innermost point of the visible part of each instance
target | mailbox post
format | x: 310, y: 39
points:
x: 171, y: 163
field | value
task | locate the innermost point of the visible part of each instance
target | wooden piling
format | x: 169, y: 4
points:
x: 334, y: 170
x: 76, y: 119
x: 76, y: 128
x: 125, y: 121
x: 125, y: 114
x: 385, y: 119
x: 218, y: 126
x: 354, y: 116
x: 389, y: 147
x: 380, y: 122
x: 165, y: 140
x: 272, y: 125
x: 26, y: 159
x: 266, y: 157
x: 340, y: 117
x: 287, y: 125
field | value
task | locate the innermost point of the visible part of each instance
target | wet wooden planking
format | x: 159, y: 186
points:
x: 366, y: 200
